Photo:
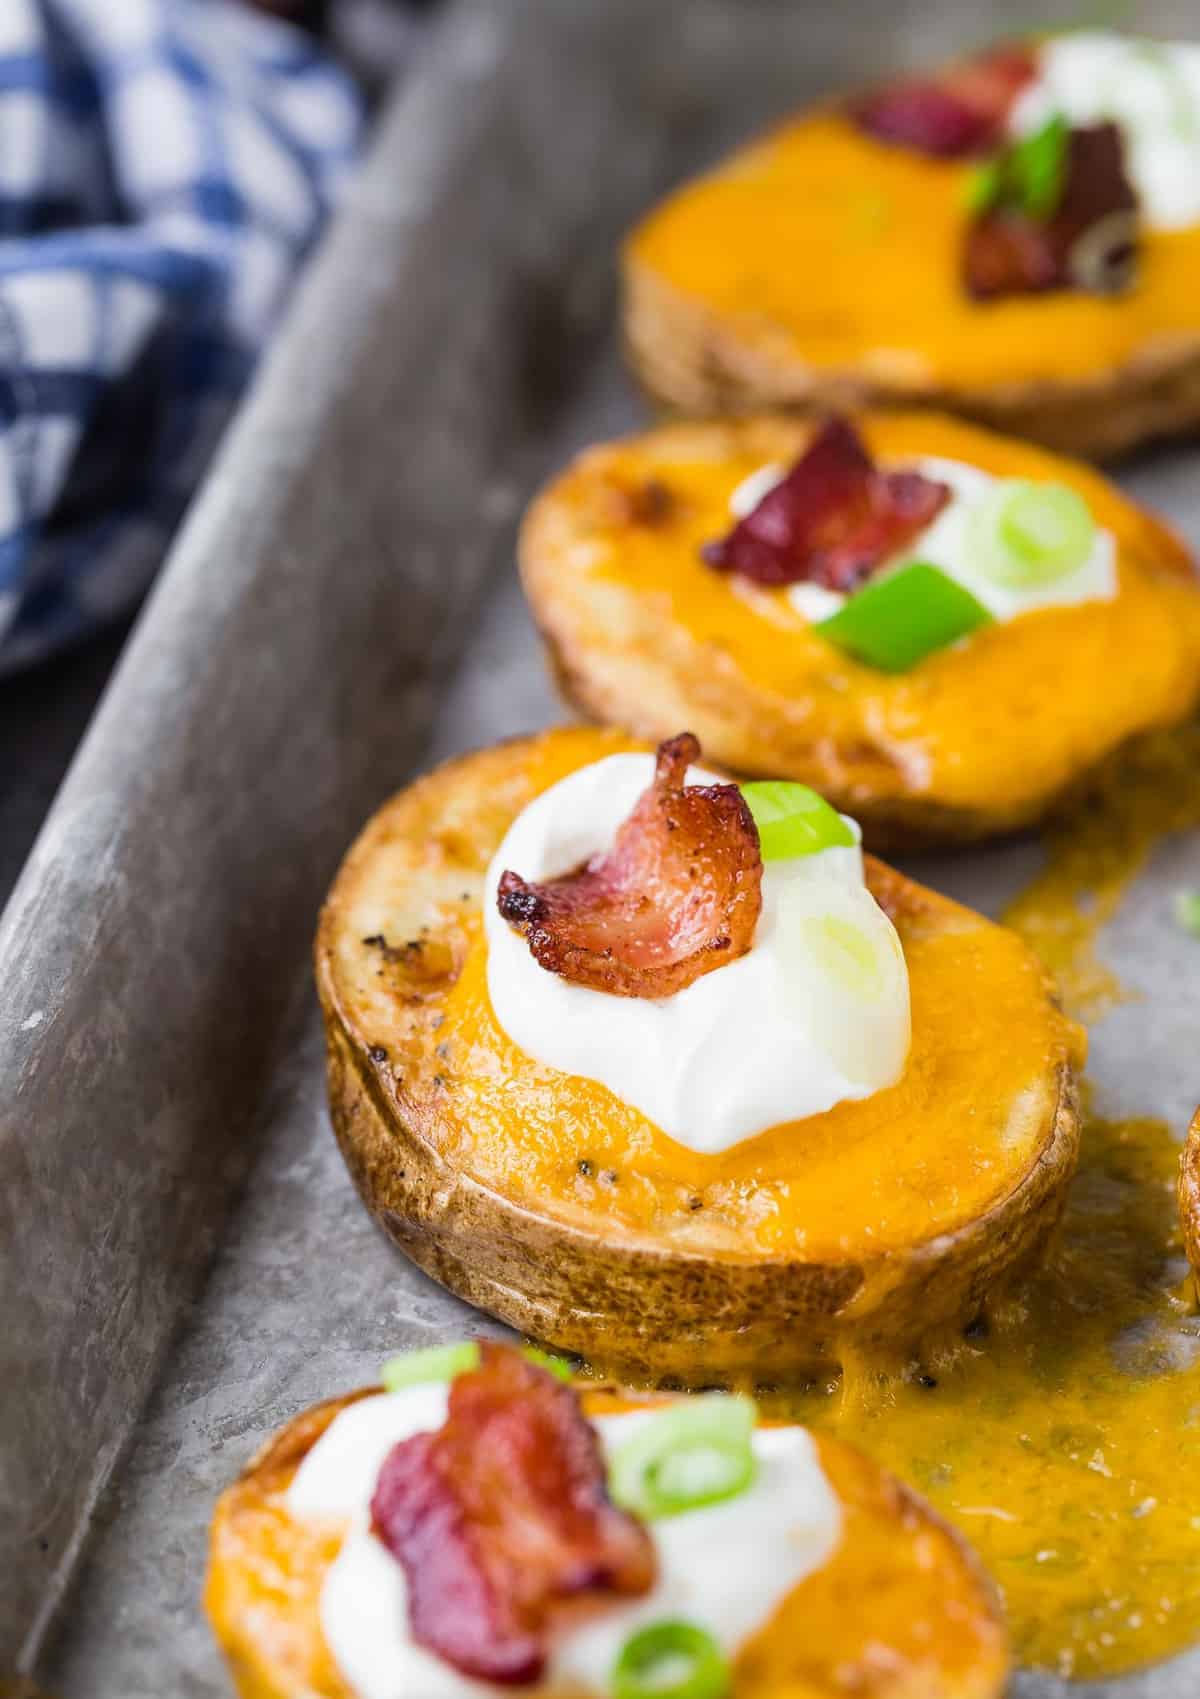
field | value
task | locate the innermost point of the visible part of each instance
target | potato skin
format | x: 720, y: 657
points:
x: 932, y: 1602
x: 625, y: 656
x: 690, y: 362
x: 642, y: 1308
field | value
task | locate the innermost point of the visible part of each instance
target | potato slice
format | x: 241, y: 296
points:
x: 979, y: 738
x: 542, y: 1198
x: 818, y: 267
x: 934, y: 1627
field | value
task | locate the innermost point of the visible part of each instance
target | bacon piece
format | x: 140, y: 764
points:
x: 832, y: 519
x: 502, y: 1517
x: 678, y: 894
x: 953, y: 113
x: 1088, y: 242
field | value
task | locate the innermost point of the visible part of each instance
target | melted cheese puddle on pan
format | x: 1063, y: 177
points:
x: 1065, y: 1443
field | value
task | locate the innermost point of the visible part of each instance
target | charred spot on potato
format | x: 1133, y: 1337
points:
x: 378, y: 1054
x: 585, y: 1168
x: 648, y: 503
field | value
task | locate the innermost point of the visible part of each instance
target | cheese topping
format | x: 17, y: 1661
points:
x: 724, y: 1567
x: 784, y: 1032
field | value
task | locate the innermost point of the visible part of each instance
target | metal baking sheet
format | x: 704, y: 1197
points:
x: 182, y: 1259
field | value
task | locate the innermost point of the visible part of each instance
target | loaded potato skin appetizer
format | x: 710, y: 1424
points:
x: 663, y: 1072
x: 942, y: 630
x: 1015, y: 236
x: 480, y: 1526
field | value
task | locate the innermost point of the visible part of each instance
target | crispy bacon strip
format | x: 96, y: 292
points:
x: 1089, y: 241
x: 832, y: 519
x: 955, y: 112
x: 502, y: 1517
x: 678, y: 894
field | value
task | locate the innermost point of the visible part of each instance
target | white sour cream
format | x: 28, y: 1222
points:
x: 745, y: 1047
x: 945, y: 544
x: 725, y: 1567
x: 1150, y: 88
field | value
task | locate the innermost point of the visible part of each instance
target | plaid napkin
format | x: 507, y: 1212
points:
x: 164, y: 165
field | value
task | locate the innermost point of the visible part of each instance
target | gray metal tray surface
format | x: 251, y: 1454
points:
x: 184, y: 1263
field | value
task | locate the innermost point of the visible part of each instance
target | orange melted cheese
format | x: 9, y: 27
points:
x: 932, y: 1627
x: 1016, y: 711
x: 821, y: 245
x: 962, y: 1124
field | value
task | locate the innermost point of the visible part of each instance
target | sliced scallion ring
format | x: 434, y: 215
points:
x: 1187, y: 911
x: 670, y: 1660
x: 793, y: 820
x: 444, y: 1362
x: 844, y: 978
x: 439, y: 1362
x: 692, y: 1454
x: 1026, y: 535
x: 557, y: 1366
x: 902, y: 616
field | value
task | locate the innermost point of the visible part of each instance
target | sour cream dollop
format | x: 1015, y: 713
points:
x: 771, y: 1037
x: 1151, y: 89
x: 945, y: 544
x: 725, y: 1567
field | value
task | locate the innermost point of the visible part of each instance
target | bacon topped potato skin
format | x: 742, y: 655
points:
x: 543, y: 1199
x: 934, y: 1628
x: 821, y: 266
x: 979, y: 739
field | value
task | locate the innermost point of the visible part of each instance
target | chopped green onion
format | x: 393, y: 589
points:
x: 1028, y: 176
x: 444, y: 1362
x: 793, y: 820
x: 982, y: 187
x: 1036, y: 168
x: 844, y: 977
x: 670, y: 1660
x: 439, y: 1362
x: 694, y: 1453
x: 1026, y: 535
x: 896, y: 620
x: 557, y: 1366
x: 1187, y: 911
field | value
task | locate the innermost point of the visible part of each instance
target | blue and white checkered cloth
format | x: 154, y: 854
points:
x: 164, y: 165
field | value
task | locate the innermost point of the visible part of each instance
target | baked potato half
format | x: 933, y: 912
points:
x: 978, y: 738
x: 542, y: 1198
x: 933, y: 1629
x: 822, y: 266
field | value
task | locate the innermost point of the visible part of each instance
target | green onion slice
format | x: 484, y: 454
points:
x: 1037, y: 168
x: 1028, y: 176
x: 670, y: 1660
x: 1026, y: 535
x: 444, y: 1362
x: 439, y: 1362
x: 557, y: 1366
x: 895, y: 621
x: 692, y: 1454
x: 793, y: 820
x: 1187, y: 911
